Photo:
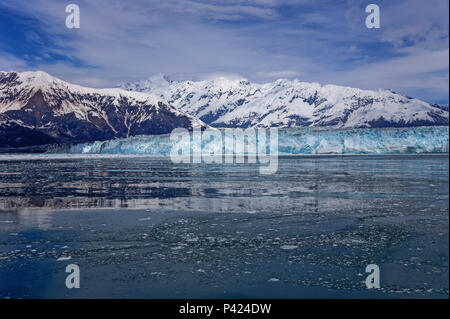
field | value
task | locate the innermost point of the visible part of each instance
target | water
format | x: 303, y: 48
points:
x: 142, y: 227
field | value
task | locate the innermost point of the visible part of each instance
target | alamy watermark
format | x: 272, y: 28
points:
x: 73, y: 279
x: 373, y: 19
x: 227, y: 146
x: 73, y: 19
x: 373, y: 279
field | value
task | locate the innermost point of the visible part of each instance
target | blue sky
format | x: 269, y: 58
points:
x: 323, y: 41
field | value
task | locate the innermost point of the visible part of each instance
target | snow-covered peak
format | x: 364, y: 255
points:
x: 45, y: 109
x: 157, y: 82
x: 40, y: 80
x: 39, y: 76
x: 228, y: 102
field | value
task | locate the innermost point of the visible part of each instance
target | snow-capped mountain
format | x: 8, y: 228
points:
x: 36, y: 108
x: 225, y: 102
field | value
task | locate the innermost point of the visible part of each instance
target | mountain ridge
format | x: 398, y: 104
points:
x: 37, y: 108
x: 67, y: 113
x: 223, y: 102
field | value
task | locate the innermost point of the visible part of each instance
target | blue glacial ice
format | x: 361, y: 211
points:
x: 297, y: 141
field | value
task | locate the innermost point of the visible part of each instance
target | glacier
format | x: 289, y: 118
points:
x: 297, y: 141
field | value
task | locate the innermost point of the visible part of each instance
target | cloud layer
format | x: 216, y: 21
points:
x: 324, y: 41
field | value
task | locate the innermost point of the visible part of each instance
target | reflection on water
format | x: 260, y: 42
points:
x: 319, y: 184
x: 144, y: 227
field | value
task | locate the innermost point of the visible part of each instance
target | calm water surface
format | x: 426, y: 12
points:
x: 144, y: 227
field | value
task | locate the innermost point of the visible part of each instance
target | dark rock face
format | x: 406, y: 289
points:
x: 37, y: 109
x: 13, y: 135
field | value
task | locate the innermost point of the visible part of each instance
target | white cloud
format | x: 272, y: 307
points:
x: 278, y: 74
x: 426, y: 71
x: 11, y: 63
x: 323, y: 42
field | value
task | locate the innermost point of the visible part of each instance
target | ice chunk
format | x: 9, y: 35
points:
x: 64, y: 258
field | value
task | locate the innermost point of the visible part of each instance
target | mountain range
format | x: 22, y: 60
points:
x: 37, y: 108
x: 223, y: 102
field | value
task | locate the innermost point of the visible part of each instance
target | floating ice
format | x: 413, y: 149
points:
x: 289, y: 247
x: 64, y: 258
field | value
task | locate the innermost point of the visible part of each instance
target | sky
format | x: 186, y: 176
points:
x: 323, y: 41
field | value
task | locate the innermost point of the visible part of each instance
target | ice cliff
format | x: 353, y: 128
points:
x: 300, y: 141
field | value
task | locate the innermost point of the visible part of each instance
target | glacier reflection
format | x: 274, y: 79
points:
x: 330, y: 183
